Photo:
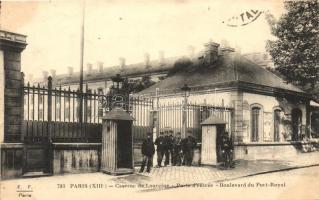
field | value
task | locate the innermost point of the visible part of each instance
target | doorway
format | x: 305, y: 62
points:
x: 296, y: 124
x: 277, y: 119
x: 220, y: 133
x: 124, y: 145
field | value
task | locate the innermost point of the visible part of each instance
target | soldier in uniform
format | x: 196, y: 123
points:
x: 148, y: 151
x: 170, y: 148
x: 166, y: 147
x: 177, y: 150
x: 189, y: 145
x: 159, y: 142
x: 227, y: 150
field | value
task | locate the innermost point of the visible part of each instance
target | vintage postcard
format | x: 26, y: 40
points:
x: 162, y: 99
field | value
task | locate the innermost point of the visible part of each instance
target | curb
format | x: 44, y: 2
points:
x: 235, y: 178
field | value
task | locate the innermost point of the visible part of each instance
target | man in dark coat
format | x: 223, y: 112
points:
x: 160, y: 149
x: 189, y: 145
x: 227, y: 150
x: 177, y: 150
x: 148, y: 151
x: 166, y: 148
x: 170, y: 146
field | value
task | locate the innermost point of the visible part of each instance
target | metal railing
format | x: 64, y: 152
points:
x: 53, y: 114
x: 171, y: 116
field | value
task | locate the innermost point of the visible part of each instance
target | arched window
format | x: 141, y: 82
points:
x: 296, y: 115
x: 255, y: 123
x: 277, y: 121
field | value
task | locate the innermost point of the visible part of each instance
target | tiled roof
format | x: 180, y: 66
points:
x: 130, y: 70
x: 224, y: 70
x: 213, y: 120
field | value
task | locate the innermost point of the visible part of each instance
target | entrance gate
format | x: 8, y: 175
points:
x: 51, y: 116
x: 173, y: 117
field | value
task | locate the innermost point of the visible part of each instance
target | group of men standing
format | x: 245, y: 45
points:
x: 173, y: 149
x: 176, y: 150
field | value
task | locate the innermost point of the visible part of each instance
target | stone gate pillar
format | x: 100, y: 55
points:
x: 11, y: 103
x: 11, y: 46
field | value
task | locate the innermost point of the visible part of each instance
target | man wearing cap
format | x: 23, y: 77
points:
x: 189, y: 145
x: 166, y: 148
x: 227, y: 150
x: 177, y: 150
x: 148, y: 151
x: 160, y: 149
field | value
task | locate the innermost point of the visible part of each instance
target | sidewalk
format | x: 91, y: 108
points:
x: 182, y: 175
x: 159, y: 178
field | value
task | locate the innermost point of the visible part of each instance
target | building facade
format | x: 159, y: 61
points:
x: 269, y: 116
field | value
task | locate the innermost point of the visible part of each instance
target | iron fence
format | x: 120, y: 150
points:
x: 54, y: 114
x: 171, y: 117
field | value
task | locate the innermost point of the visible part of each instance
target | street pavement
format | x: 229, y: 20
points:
x: 297, y: 184
x: 160, y: 180
x: 197, y: 174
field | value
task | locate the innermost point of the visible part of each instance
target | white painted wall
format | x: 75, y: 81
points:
x: 268, y: 103
x: 1, y: 96
x: 211, y: 98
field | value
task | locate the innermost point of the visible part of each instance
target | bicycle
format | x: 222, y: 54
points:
x: 228, y: 159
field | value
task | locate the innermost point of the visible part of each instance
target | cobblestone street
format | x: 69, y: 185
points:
x: 129, y: 186
x: 198, y: 174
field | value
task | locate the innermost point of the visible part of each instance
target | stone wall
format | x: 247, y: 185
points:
x: 266, y: 151
x: 2, y: 77
x: 13, y: 96
x: 268, y: 104
x: 12, y: 45
x: 76, y: 158
x: 11, y: 161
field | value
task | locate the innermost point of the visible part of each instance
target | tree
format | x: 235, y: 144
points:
x: 137, y: 86
x: 182, y: 64
x: 295, y: 52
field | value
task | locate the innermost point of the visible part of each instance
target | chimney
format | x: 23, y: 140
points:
x: 211, y: 52
x: 225, y: 48
x: 225, y: 51
x: 147, y: 60
x: 53, y: 73
x: 89, y: 68
x: 45, y: 75
x: 70, y: 71
x: 161, y: 57
x: 191, y: 51
x: 224, y: 43
x: 122, y: 63
x: 100, y: 66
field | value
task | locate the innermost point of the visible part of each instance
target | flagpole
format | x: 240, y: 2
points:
x: 81, y: 62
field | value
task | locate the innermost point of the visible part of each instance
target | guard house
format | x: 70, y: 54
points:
x: 117, y: 143
x: 212, y: 130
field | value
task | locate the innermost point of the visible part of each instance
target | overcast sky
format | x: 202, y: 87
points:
x: 129, y: 29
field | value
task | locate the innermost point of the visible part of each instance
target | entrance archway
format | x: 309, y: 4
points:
x: 277, y: 122
x: 296, y: 115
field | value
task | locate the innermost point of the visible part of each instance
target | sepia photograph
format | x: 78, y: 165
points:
x: 161, y: 99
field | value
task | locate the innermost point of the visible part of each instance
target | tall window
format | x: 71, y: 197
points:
x: 277, y: 114
x: 255, y: 124
x: 296, y: 115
